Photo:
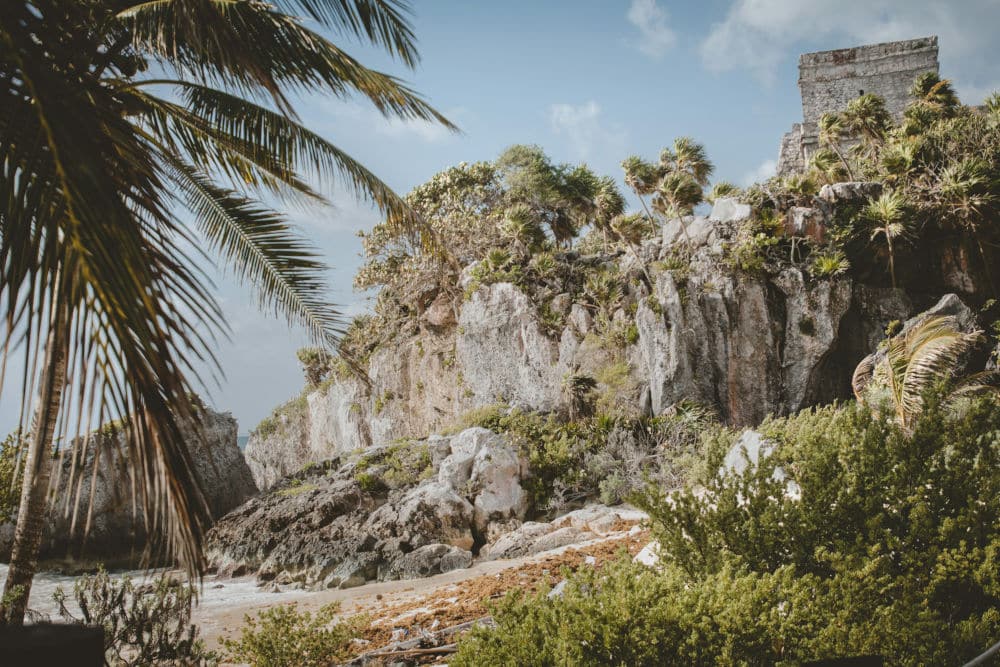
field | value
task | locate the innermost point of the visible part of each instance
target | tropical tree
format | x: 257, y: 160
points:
x: 887, y: 216
x: 828, y: 166
x: 689, y: 157
x: 120, y: 122
x: 867, y: 117
x: 831, y: 134
x: 609, y: 204
x: 642, y: 177
x: 914, y: 361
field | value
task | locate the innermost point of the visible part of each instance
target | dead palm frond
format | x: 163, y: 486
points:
x: 914, y: 361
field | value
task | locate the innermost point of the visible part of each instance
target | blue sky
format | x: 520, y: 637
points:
x: 590, y: 81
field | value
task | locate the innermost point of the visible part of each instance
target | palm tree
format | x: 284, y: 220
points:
x: 642, y: 177
x: 690, y: 157
x: 828, y: 165
x: 831, y: 133
x: 608, y: 205
x: 677, y: 194
x: 104, y: 162
x: 888, y: 217
x: 913, y: 362
x: 867, y: 117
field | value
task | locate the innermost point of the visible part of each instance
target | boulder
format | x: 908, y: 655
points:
x: 853, y: 192
x: 806, y: 222
x: 729, y: 210
x: 696, y: 229
x: 441, y: 312
x: 495, y: 482
x: 335, y: 525
x: 430, y: 560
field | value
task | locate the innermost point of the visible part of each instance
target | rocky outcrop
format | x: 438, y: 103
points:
x: 749, y: 343
x: 116, y: 533
x: 346, y: 522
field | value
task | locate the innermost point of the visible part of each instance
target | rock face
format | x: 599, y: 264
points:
x: 331, y: 526
x: 116, y: 534
x: 749, y: 343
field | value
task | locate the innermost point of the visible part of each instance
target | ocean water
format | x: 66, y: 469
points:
x: 241, y: 441
x: 214, y: 592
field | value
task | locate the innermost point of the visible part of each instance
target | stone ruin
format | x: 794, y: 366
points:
x: 828, y: 80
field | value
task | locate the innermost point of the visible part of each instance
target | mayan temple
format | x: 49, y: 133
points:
x: 828, y: 80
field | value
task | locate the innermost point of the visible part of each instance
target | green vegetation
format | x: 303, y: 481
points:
x: 283, y: 636
x: 886, y: 544
x: 289, y: 412
x: 147, y: 624
x: 913, y: 362
x: 571, y: 461
x: 938, y: 167
x: 401, y: 464
x: 296, y: 488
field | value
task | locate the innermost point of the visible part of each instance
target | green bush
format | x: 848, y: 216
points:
x: 569, y: 461
x: 889, y: 544
x: 143, y: 624
x: 282, y: 636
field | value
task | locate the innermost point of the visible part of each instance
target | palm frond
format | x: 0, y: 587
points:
x: 259, y: 243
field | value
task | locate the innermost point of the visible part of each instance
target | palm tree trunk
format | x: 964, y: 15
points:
x: 847, y: 167
x: 652, y: 220
x: 32, y: 513
x: 892, y: 262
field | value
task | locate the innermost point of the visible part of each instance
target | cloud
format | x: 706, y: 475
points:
x: 655, y: 36
x: 583, y: 127
x: 760, y: 173
x: 757, y: 35
x: 424, y: 130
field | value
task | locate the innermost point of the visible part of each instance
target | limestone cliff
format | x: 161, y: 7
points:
x: 117, y: 533
x: 748, y: 343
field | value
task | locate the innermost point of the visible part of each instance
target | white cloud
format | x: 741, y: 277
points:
x: 757, y: 35
x: 583, y: 127
x: 760, y: 173
x: 422, y: 129
x: 655, y: 35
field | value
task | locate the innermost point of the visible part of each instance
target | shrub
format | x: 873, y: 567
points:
x: 404, y: 463
x: 886, y: 544
x: 282, y: 636
x: 315, y: 364
x: 143, y: 624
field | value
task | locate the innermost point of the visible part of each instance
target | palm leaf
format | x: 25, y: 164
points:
x: 259, y: 243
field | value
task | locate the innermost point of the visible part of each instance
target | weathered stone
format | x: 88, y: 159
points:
x: 694, y: 229
x: 807, y: 222
x: 430, y: 560
x: 503, y: 353
x: 729, y: 210
x: 117, y: 534
x: 456, y: 468
x: 829, y: 80
x: 320, y: 528
x: 813, y: 314
x: 855, y: 192
x: 495, y: 482
x: 441, y: 312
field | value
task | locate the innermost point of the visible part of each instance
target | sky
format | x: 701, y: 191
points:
x: 589, y: 81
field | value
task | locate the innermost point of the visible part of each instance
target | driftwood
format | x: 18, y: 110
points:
x: 428, y: 644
